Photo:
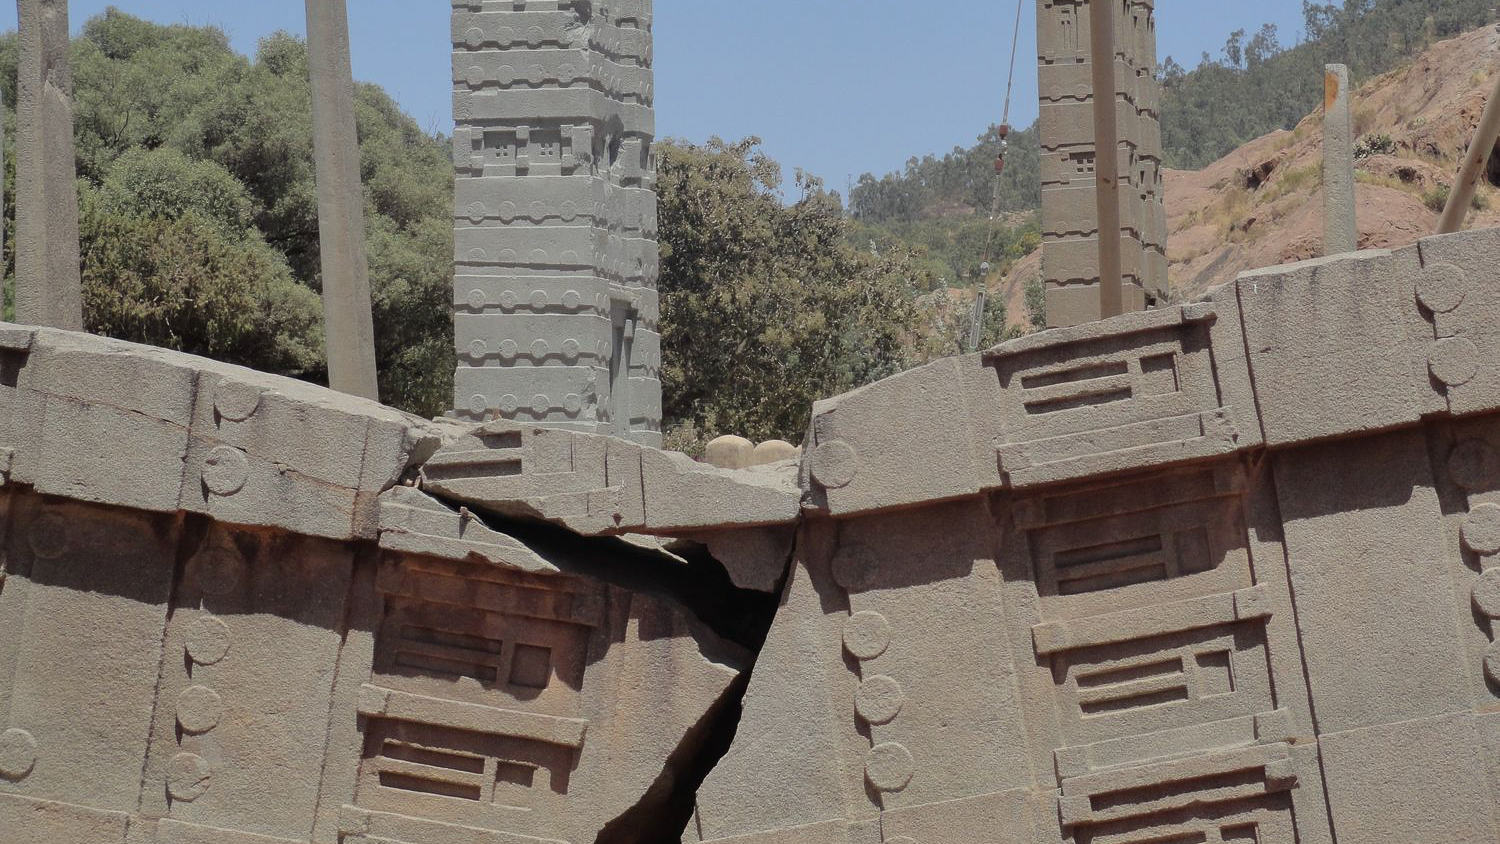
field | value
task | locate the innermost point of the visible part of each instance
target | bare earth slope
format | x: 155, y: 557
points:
x: 1262, y: 204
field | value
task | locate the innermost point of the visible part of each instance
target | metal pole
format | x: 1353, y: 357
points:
x: 981, y: 301
x: 348, y: 322
x: 1106, y: 154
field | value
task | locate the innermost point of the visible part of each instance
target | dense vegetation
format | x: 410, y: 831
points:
x: 200, y: 233
x: 199, y: 211
x: 766, y: 306
x: 1255, y: 86
x: 199, y: 218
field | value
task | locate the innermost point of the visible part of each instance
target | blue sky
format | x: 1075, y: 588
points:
x: 836, y: 87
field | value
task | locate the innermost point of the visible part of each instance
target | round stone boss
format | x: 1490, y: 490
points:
x: 187, y: 777
x: 50, y: 536
x: 17, y: 754
x: 866, y: 635
x: 1481, y: 530
x: 1474, y: 465
x: 220, y: 571
x: 1487, y: 593
x: 1492, y: 663
x: 1454, y: 361
x: 236, y: 401
x: 1442, y: 287
x: 889, y: 767
x: 879, y: 699
x: 225, y: 470
x: 207, y: 640
x: 834, y: 464
x: 199, y: 709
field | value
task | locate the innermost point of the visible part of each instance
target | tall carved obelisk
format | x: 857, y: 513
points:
x: 555, y: 227
x: 1103, y: 222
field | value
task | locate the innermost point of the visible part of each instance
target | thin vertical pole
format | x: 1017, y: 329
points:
x: 1340, y: 225
x: 49, y: 287
x: 1472, y: 168
x: 349, y: 323
x: 1106, y: 154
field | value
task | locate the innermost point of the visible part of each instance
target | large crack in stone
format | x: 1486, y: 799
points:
x: 685, y: 574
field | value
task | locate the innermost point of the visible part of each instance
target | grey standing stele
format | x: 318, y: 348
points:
x: 341, y: 225
x: 1103, y: 219
x: 1340, y: 224
x: 49, y: 285
x: 556, y: 309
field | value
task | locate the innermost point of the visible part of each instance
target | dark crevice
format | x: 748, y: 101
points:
x: 693, y: 579
x: 663, y: 814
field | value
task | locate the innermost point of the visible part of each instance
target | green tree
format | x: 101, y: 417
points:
x: 766, y: 306
x: 168, y: 259
x: 189, y: 151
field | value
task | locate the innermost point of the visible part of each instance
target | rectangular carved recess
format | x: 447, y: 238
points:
x: 1262, y: 820
x: 1135, y: 687
x: 1137, y: 541
x: 472, y: 710
x: 455, y: 776
x: 1152, y: 638
x: 483, y: 635
x: 1133, y: 400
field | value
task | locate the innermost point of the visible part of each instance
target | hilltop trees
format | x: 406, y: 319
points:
x: 200, y: 233
x: 766, y: 307
x: 1255, y: 86
x: 200, y: 226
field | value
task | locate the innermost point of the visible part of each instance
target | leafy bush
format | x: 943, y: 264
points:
x: 1377, y: 144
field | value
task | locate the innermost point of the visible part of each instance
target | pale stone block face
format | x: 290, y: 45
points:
x: 1419, y: 781
x: 1353, y: 545
x: 1316, y: 323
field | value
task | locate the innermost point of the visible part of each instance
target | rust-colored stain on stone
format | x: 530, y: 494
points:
x: 1330, y: 90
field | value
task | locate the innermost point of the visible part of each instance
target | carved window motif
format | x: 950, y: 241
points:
x: 482, y: 636
x: 1070, y: 409
x: 502, y: 145
x: 454, y: 775
x: 1138, y: 541
x: 1256, y: 820
x: 1141, y: 685
x: 1082, y: 163
x: 548, y: 145
x: 1069, y: 41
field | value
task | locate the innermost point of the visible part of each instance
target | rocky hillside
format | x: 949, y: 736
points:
x: 1263, y: 203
